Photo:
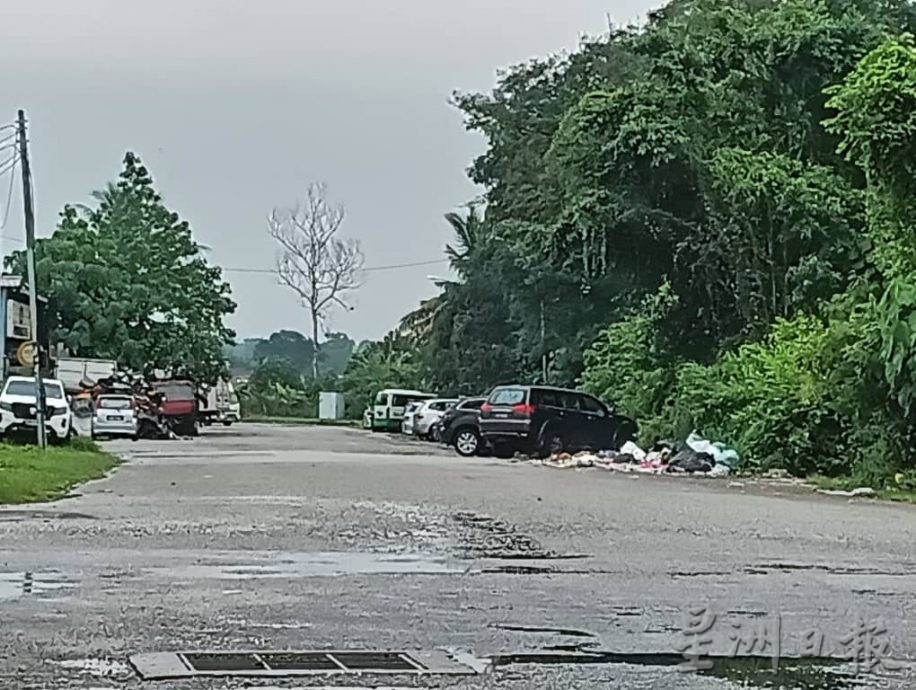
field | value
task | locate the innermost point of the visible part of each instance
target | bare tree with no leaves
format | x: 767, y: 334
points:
x: 319, y: 266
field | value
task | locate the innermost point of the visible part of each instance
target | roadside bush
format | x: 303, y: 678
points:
x: 770, y: 399
x: 626, y: 365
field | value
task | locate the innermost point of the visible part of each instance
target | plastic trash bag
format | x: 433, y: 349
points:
x: 630, y: 448
x: 722, y: 454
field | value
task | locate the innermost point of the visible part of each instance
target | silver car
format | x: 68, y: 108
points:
x: 114, y: 416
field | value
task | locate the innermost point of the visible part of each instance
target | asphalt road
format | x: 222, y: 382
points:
x: 287, y: 538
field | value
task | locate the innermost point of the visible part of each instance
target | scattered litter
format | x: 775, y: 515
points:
x: 861, y: 491
x: 691, y: 462
x: 630, y: 448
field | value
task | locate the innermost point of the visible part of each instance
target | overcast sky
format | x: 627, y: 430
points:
x: 236, y: 105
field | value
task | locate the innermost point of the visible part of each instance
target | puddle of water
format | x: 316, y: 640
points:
x: 747, y: 672
x: 99, y: 668
x: 26, y: 584
x: 331, y: 564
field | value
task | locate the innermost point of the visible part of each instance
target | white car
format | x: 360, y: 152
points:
x: 114, y: 416
x: 18, y: 407
x: 428, y: 414
x: 407, y: 421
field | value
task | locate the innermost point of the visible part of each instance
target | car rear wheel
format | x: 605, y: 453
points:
x: 552, y: 443
x: 467, y: 442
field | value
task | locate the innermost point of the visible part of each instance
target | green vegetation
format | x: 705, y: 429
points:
x: 280, y: 379
x: 709, y: 221
x: 28, y: 475
x: 127, y: 281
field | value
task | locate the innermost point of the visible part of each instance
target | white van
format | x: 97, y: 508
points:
x: 388, y: 410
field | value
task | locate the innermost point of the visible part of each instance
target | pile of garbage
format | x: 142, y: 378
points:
x: 151, y: 423
x: 697, y: 456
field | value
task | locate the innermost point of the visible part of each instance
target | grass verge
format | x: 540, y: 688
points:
x: 28, y: 475
x: 353, y: 423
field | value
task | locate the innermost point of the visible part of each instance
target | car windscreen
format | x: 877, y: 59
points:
x: 508, y: 396
x: 175, y: 390
x: 403, y: 400
x: 114, y: 403
x: 52, y: 390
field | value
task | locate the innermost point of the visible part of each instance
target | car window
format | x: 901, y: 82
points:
x: 507, y: 396
x: 592, y: 406
x: 52, y: 390
x: 547, y: 398
x: 114, y: 403
x: 381, y: 399
x: 400, y: 401
x: 572, y: 401
x: 470, y: 405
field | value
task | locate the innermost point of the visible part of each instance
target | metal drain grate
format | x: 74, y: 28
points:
x: 304, y: 663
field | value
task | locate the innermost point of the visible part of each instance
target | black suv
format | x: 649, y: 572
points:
x: 543, y: 420
x: 459, y: 427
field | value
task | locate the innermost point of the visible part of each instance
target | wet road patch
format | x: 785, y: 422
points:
x: 15, y: 586
x: 747, y: 672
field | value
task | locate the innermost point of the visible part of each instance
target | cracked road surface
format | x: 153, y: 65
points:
x: 287, y: 538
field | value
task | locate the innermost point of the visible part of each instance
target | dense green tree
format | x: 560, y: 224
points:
x: 685, y: 217
x: 335, y: 354
x: 126, y: 280
x: 293, y: 347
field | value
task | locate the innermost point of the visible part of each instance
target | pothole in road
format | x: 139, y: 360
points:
x: 487, y: 537
x: 566, y: 632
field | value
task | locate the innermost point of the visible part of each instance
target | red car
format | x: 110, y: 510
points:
x: 179, y: 405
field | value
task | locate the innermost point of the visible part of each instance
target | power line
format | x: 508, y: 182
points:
x: 9, y: 195
x: 370, y: 269
x: 9, y: 164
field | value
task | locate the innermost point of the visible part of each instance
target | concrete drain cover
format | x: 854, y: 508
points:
x: 306, y: 663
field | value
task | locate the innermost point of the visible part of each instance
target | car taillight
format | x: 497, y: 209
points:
x: 523, y: 409
x: 486, y: 408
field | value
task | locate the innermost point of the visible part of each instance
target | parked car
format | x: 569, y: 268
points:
x: 179, y: 405
x: 542, y: 420
x: 430, y: 412
x: 18, y: 407
x: 388, y: 410
x: 114, y: 415
x: 460, y: 427
x: 407, y: 420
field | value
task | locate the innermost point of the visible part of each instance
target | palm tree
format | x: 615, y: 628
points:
x: 468, y: 234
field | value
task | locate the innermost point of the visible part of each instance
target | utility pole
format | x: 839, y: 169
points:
x: 33, y: 288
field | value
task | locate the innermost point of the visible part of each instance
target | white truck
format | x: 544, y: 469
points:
x: 72, y: 370
x: 222, y: 405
